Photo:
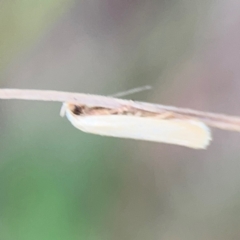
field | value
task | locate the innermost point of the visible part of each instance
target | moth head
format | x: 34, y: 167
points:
x: 74, y: 109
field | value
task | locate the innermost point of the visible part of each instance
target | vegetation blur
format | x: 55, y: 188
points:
x: 59, y: 183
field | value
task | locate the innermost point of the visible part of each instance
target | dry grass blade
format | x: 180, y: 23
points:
x: 221, y: 121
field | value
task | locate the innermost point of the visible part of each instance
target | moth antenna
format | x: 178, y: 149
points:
x: 132, y: 91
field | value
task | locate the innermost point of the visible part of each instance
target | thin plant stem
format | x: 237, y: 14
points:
x: 221, y: 121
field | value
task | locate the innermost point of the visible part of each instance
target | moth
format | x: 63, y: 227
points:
x: 129, y: 122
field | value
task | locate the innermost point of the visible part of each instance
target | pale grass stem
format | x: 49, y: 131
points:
x: 221, y: 121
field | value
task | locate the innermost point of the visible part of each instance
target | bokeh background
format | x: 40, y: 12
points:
x: 59, y: 183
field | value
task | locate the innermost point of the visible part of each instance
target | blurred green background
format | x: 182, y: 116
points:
x: 59, y: 183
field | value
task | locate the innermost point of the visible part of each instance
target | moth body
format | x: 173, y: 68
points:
x: 180, y: 131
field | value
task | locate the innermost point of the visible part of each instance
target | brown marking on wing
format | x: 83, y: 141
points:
x: 124, y: 110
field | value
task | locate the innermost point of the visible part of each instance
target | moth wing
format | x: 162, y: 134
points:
x: 183, y: 132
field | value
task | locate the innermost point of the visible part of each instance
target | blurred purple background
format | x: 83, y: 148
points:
x: 59, y: 183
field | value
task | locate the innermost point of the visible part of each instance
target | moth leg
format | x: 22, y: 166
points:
x: 172, y: 115
x: 123, y: 110
x: 166, y: 115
